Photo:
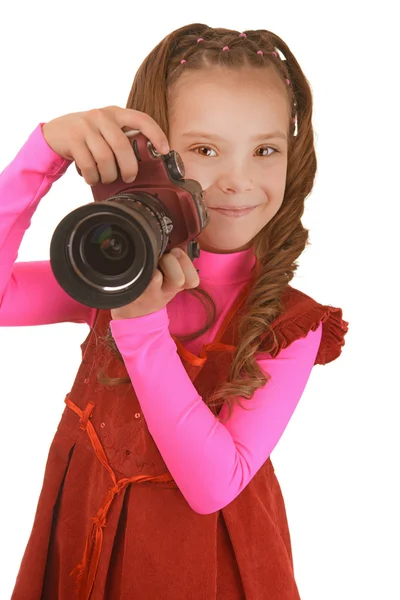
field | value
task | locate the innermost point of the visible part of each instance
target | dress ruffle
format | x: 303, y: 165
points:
x: 295, y: 324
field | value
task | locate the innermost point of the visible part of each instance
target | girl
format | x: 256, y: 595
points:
x: 159, y: 482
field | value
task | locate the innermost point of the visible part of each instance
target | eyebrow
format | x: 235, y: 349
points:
x: 255, y: 138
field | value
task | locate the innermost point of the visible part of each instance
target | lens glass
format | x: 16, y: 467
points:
x: 108, y: 249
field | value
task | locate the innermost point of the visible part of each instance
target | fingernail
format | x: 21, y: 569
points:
x: 164, y: 149
x: 176, y: 252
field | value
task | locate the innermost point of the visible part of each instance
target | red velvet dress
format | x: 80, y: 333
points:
x: 111, y: 524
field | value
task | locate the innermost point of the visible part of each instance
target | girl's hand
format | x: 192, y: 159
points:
x: 95, y: 140
x: 174, y: 275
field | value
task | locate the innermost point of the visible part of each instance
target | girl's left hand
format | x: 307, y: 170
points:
x: 176, y: 274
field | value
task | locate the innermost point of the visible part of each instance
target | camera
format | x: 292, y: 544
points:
x: 104, y: 254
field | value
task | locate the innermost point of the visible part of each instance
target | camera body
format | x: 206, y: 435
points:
x: 104, y: 254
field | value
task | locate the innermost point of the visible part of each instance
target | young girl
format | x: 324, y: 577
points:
x: 159, y: 483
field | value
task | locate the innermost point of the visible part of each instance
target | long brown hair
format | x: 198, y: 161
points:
x: 284, y: 238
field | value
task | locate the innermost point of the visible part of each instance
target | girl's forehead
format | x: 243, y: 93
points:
x: 197, y: 89
x: 218, y: 102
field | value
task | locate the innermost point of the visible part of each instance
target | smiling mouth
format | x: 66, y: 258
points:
x: 233, y: 212
x: 245, y: 207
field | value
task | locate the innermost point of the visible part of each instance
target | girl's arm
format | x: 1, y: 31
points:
x: 211, y: 462
x: 29, y: 292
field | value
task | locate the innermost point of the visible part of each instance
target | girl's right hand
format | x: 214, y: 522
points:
x: 95, y: 140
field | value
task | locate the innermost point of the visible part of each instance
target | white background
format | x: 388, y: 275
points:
x: 337, y: 461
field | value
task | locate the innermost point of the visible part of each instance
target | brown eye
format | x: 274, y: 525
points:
x: 268, y: 148
x: 202, y: 148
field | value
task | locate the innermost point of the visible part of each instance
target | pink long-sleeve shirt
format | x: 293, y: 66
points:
x: 186, y: 432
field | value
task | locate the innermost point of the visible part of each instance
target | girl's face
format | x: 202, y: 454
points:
x: 220, y: 122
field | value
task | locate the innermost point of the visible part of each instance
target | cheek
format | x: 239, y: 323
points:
x: 272, y: 207
x: 193, y: 170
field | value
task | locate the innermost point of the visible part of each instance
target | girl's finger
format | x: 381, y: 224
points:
x: 122, y: 150
x: 135, y: 119
x: 189, y: 270
x: 84, y: 160
x: 103, y: 156
x: 174, y: 278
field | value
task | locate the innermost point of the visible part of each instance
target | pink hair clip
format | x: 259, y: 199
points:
x: 242, y: 35
x: 225, y: 48
x: 260, y: 52
x: 183, y: 61
x: 200, y: 40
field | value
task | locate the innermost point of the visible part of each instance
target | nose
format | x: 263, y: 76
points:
x: 235, y: 181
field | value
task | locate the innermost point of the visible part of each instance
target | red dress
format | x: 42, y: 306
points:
x: 111, y: 524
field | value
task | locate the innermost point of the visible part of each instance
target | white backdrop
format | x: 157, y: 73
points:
x: 337, y: 461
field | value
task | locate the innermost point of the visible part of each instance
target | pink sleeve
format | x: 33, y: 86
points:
x: 187, y: 434
x: 23, y: 183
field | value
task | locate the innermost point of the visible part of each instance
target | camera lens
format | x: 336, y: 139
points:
x: 104, y: 254
x: 107, y: 249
